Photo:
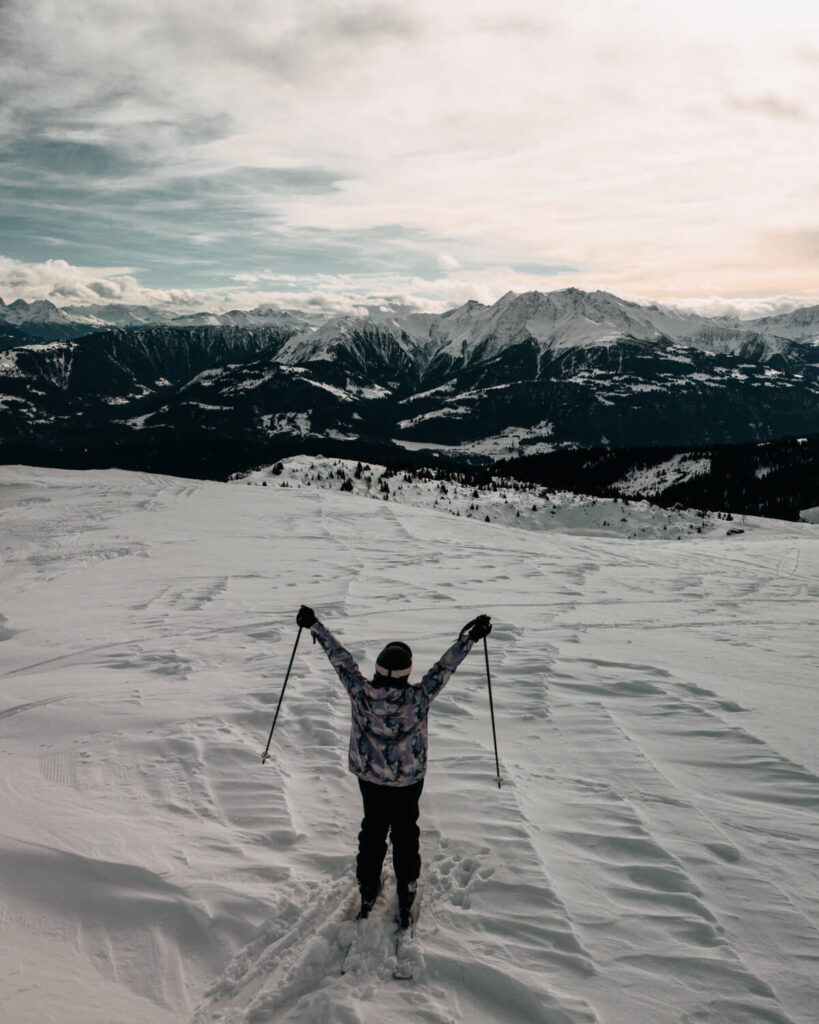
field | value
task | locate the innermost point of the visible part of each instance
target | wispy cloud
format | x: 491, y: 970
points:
x: 770, y: 105
x: 656, y: 151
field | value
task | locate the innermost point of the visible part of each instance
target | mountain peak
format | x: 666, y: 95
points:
x: 37, y: 310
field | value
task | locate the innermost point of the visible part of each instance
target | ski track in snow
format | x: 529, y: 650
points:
x: 650, y: 857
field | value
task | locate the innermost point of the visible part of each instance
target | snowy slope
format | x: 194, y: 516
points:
x: 799, y: 325
x: 556, y: 320
x: 656, y: 479
x: 505, y: 502
x: 365, y: 340
x: 650, y: 857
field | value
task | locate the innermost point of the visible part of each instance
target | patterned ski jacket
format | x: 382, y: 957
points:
x: 388, y: 738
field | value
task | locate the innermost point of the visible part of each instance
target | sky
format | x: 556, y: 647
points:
x: 330, y: 155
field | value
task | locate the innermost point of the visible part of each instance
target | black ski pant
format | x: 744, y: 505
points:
x: 394, y: 810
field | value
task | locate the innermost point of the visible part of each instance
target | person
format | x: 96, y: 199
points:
x: 388, y: 751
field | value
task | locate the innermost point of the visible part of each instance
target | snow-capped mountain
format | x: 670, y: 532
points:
x: 528, y: 373
x: 39, y: 312
x: 116, y: 314
x: 59, y: 389
x: 543, y: 329
x: 261, y: 316
x: 555, y: 321
x: 381, y: 351
x: 799, y: 325
x: 44, y: 321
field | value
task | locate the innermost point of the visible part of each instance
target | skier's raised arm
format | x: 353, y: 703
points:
x: 438, y: 676
x: 340, y: 658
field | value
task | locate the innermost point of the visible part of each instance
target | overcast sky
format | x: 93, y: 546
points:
x: 422, y: 153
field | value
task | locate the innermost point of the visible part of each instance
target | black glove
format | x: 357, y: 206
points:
x: 306, y: 617
x: 478, y: 628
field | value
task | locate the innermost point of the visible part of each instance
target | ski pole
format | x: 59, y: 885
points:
x: 265, y: 755
x: 492, y: 712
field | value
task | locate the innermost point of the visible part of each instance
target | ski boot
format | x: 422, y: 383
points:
x: 369, y: 894
x: 406, y: 897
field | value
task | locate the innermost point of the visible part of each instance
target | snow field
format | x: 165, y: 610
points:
x: 650, y: 857
x: 656, y: 479
x: 528, y: 507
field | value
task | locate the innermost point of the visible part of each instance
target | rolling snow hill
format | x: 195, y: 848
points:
x: 502, y: 501
x: 650, y: 857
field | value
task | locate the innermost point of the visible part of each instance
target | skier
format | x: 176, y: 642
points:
x: 388, y: 751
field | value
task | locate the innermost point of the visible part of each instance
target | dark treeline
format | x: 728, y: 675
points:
x: 770, y: 478
x: 195, y: 456
x: 775, y: 478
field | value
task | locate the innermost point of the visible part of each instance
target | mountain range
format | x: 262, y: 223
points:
x: 41, y: 320
x: 531, y: 372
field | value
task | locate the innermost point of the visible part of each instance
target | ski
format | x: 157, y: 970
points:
x: 405, y: 951
x: 350, y: 955
x: 355, y: 949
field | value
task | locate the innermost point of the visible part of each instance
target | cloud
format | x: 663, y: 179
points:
x: 352, y: 294
x: 807, y: 53
x: 799, y: 243
x: 770, y: 105
x: 198, y: 142
x: 371, y: 20
x: 524, y: 24
x: 746, y: 307
x: 447, y: 262
x: 63, y: 283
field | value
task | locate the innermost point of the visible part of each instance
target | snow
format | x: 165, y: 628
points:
x: 316, y: 344
x: 510, y: 441
x: 205, y: 377
x: 49, y: 346
x: 371, y: 391
x: 448, y: 412
x: 248, y: 384
x: 338, y: 392
x: 297, y: 423
x: 441, y: 389
x: 810, y: 515
x: 650, y: 857
x: 525, y: 507
x: 8, y: 364
x: 656, y: 479
x: 137, y: 422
